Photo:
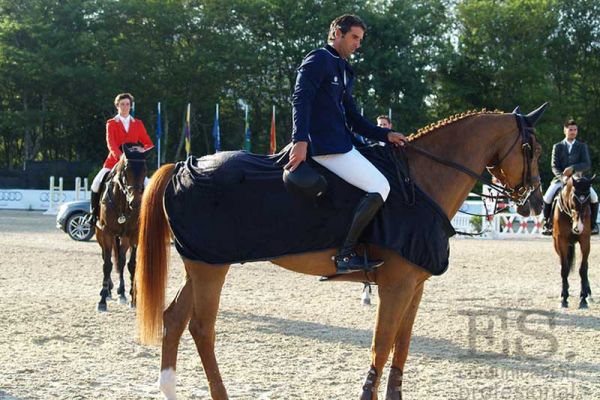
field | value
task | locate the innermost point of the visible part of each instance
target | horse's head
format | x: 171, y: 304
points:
x: 131, y: 173
x: 515, y: 163
x: 575, y: 200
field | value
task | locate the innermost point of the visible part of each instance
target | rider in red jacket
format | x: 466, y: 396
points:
x: 121, y: 129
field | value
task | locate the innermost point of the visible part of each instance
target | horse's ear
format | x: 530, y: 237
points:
x: 517, y: 110
x: 533, y: 117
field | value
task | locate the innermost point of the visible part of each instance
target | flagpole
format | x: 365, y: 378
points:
x: 247, y: 145
x: 217, y: 130
x: 188, y: 138
x: 158, y: 133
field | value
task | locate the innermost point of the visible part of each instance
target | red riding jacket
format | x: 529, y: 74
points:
x: 116, y: 136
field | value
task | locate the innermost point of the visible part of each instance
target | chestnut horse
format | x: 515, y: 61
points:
x: 443, y: 158
x: 117, y: 225
x: 572, y: 225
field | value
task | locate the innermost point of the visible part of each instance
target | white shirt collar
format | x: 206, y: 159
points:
x: 119, y: 118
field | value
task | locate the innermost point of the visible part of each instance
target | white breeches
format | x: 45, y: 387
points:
x: 100, y: 177
x: 549, y: 195
x: 355, y: 169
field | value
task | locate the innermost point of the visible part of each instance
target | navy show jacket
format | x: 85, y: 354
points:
x: 324, y: 112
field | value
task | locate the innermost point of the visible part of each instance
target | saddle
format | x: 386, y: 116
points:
x: 241, y: 211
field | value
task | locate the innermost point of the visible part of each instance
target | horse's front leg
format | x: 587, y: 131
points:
x: 563, y: 249
x: 398, y: 282
x: 394, y: 386
x: 131, y: 269
x: 123, y: 246
x: 107, y: 248
x: 583, y: 274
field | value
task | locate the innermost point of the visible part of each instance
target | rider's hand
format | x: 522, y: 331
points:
x: 396, y: 138
x: 568, y: 171
x: 297, y: 155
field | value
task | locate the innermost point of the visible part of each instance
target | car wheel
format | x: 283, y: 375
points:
x: 78, y: 229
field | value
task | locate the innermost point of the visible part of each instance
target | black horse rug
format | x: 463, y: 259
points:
x: 233, y: 207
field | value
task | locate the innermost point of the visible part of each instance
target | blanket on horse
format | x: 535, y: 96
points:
x: 233, y: 207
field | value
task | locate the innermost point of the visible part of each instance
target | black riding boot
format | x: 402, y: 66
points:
x: 94, y: 208
x: 547, y: 228
x: 347, y: 260
x: 594, y: 217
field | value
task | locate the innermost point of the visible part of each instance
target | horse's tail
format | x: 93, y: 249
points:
x: 152, y: 256
x: 571, y: 256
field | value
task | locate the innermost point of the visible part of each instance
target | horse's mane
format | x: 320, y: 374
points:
x: 447, y: 121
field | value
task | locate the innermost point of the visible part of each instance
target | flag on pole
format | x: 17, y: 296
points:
x: 158, y: 131
x: 188, y: 138
x: 273, y: 146
x: 247, y: 136
x: 216, y: 131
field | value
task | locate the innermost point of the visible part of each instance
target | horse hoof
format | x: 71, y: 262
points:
x: 583, y: 306
x: 122, y: 300
x: 564, y: 304
x: 101, y: 307
x: 132, y: 306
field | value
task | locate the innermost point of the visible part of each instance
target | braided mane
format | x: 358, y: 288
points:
x: 447, y: 121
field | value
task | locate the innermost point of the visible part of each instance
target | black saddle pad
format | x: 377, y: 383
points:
x: 233, y: 207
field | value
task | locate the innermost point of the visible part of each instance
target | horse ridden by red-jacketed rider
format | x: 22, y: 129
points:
x: 121, y: 129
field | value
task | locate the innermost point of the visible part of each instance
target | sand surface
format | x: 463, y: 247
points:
x: 490, y: 328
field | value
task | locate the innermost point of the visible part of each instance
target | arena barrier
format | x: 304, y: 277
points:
x: 42, y: 200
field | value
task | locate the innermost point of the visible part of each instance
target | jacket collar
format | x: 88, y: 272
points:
x: 332, y: 51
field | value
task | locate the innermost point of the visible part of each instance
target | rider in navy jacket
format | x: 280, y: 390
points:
x: 323, y: 105
x: 324, y: 118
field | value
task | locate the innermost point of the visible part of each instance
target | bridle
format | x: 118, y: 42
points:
x: 129, y: 190
x: 579, y: 201
x: 521, y: 192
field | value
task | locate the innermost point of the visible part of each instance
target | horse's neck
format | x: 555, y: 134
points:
x: 472, y: 143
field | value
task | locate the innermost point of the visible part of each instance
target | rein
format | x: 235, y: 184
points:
x: 518, y: 194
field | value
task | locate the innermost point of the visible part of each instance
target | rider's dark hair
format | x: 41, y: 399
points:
x: 344, y: 23
x: 570, y: 122
x: 122, y: 96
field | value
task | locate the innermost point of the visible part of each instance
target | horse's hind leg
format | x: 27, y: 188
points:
x: 394, y: 386
x: 207, y: 281
x: 175, y: 319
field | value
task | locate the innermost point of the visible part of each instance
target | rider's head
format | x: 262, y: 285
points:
x: 346, y: 33
x: 383, y: 121
x: 123, y: 103
x: 570, y: 130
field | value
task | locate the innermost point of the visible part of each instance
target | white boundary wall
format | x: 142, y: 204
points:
x: 38, y: 200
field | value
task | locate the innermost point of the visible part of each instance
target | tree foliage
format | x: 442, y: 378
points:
x: 62, y: 62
